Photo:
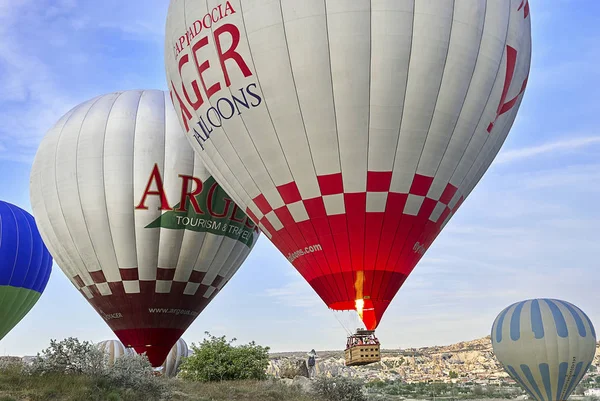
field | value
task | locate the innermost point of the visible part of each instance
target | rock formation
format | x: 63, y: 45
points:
x: 467, y: 360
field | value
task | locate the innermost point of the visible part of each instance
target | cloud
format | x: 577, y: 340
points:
x: 571, y: 179
x: 83, y: 46
x: 297, y: 294
x: 547, y: 148
x: 30, y: 100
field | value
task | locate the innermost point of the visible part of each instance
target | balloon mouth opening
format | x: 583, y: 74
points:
x: 363, y: 307
x: 156, y: 343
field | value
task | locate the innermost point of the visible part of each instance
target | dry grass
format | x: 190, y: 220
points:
x: 238, y: 391
x: 15, y: 386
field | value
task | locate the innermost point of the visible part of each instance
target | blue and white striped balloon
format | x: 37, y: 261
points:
x: 546, y: 345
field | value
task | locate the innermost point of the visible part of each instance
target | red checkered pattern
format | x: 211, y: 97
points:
x: 164, y: 284
x: 142, y: 312
x: 378, y: 232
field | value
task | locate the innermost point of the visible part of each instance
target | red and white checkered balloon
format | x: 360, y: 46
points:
x: 349, y: 131
x: 134, y: 219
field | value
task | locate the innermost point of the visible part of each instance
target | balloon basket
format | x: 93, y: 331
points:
x: 362, y: 348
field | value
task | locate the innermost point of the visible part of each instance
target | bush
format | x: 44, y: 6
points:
x: 339, y: 389
x: 74, y: 370
x: 478, y: 390
x: 11, y: 363
x: 216, y: 359
x: 135, y: 372
x: 70, y: 356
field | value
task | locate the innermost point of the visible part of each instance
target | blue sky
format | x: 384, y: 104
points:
x: 529, y: 229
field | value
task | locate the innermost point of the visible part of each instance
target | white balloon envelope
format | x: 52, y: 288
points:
x: 134, y: 219
x: 349, y: 131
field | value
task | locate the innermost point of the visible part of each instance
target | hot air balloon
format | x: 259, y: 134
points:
x: 134, y: 219
x: 25, y: 265
x: 113, y: 349
x: 349, y: 131
x: 545, y: 345
x: 171, y: 365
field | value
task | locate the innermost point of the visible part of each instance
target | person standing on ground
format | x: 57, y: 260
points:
x: 311, y: 363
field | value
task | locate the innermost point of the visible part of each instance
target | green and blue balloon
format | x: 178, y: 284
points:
x: 25, y: 265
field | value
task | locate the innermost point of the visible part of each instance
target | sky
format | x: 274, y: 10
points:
x: 529, y: 229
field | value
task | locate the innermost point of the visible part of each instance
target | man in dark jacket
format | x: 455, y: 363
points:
x: 312, y: 364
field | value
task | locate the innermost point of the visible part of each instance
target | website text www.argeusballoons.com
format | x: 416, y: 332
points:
x: 301, y: 252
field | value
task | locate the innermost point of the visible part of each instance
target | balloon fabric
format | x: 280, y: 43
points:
x: 545, y: 345
x: 134, y: 219
x: 25, y: 265
x: 349, y: 131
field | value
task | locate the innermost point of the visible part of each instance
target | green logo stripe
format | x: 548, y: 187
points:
x: 213, y: 212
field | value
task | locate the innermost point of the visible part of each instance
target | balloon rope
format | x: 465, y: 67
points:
x: 340, y: 322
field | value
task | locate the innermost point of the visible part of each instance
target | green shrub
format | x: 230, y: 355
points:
x: 70, y: 356
x: 71, y: 370
x: 339, y: 389
x: 216, y: 359
x: 135, y: 372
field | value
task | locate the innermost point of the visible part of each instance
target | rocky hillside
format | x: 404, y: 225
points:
x: 470, y: 360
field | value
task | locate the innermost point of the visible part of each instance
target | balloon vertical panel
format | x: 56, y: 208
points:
x: 182, y: 248
x: 306, y: 33
x: 148, y: 152
x: 460, y: 62
x: 120, y: 185
x: 91, y: 186
x: 46, y: 194
x: 68, y: 198
x: 490, y: 54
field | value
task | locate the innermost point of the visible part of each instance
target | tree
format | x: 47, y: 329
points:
x: 453, y: 374
x: 216, y: 359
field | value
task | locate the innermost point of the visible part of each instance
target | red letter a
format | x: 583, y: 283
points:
x: 160, y: 191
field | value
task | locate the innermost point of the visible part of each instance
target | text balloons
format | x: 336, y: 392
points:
x: 349, y: 131
x: 545, y: 345
x: 134, y: 219
x: 25, y: 265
